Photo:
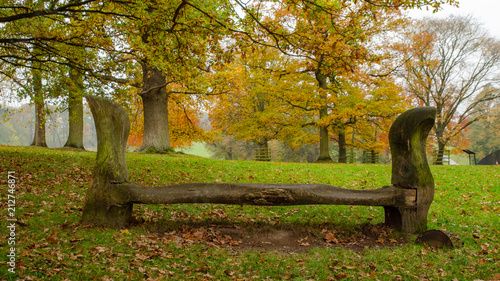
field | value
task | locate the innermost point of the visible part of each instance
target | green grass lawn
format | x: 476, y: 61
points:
x: 198, y: 149
x: 205, y: 242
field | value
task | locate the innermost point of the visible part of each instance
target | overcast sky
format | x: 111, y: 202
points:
x: 486, y: 11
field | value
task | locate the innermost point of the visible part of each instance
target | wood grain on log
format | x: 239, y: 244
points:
x: 265, y: 194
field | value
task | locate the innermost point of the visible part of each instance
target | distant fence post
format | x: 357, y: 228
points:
x: 351, y: 156
x: 370, y: 157
x: 263, y: 154
x: 443, y: 159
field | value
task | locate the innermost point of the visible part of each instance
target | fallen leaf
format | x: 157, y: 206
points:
x: 330, y: 238
x: 340, y: 276
x: 51, y: 240
x: 141, y: 257
x: 100, y: 249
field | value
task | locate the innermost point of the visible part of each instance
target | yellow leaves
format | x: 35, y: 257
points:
x: 255, y: 108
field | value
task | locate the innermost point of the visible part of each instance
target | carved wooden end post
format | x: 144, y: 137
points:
x: 103, y: 205
x: 410, y: 169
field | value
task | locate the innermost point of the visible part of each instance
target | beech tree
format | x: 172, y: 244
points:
x: 336, y: 42
x: 175, y: 46
x: 484, y: 135
x: 172, y: 40
x: 52, y: 41
x: 254, y: 109
x: 448, y: 63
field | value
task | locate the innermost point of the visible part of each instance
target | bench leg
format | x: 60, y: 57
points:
x: 408, y: 220
x: 104, y: 205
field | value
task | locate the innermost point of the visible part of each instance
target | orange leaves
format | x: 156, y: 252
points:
x: 330, y: 238
x: 184, y: 121
x: 136, y: 116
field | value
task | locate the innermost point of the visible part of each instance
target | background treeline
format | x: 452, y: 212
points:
x: 283, y: 81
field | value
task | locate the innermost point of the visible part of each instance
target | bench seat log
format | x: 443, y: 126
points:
x: 110, y: 198
x: 264, y: 194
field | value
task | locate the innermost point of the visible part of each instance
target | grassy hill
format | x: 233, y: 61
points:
x: 205, y: 241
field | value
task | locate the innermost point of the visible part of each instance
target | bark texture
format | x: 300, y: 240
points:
x: 110, y: 199
x: 39, y: 138
x: 156, y: 136
x: 103, y: 206
x: 342, y: 148
x: 324, y: 149
x: 75, y: 109
x: 410, y: 170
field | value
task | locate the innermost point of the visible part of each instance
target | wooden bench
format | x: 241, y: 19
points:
x: 110, y: 198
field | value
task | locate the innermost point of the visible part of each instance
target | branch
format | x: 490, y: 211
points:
x: 42, y: 13
x: 62, y: 9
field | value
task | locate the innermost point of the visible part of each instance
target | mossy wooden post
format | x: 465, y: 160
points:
x: 104, y: 206
x: 410, y: 169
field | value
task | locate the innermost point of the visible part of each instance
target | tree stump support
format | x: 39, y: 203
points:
x: 110, y: 198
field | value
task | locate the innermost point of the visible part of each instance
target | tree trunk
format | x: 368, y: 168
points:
x: 262, y: 152
x: 440, y: 152
x: 75, y: 109
x: 373, y: 157
x: 324, y: 149
x: 156, y: 137
x: 39, y: 138
x: 342, y: 148
x: 264, y: 194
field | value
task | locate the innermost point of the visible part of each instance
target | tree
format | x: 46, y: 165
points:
x: 175, y: 46
x: 254, y: 110
x: 52, y: 41
x: 337, y: 45
x: 167, y: 34
x: 485, y: 133
x: 38, y: 98
x: 448, y: 63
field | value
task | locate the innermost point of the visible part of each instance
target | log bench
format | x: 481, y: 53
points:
x: 406, y: 202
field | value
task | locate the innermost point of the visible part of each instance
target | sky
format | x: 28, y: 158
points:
x: 486, y: 11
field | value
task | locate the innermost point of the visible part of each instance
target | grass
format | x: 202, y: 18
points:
x: 185, y: 242
x: 198, y: 149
